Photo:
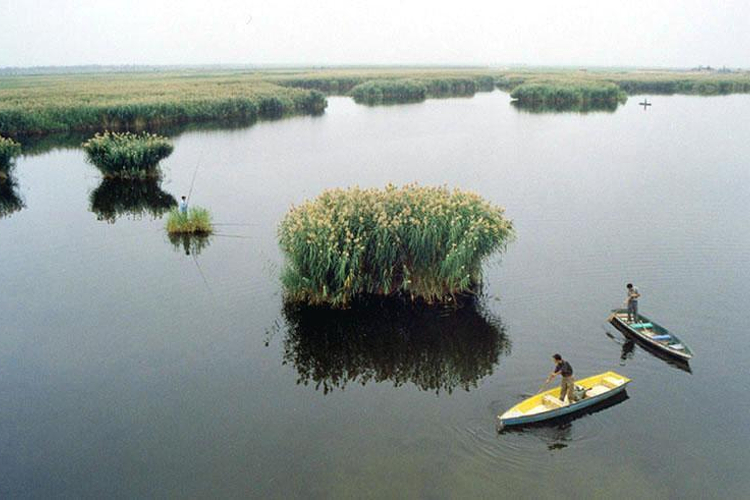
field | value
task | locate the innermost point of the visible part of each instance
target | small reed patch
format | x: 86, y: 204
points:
x: 127, y: 154
x: 197, y: 220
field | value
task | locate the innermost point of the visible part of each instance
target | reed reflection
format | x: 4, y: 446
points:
x: 116, y: 197
x: 191, y: 244
x: 10, y: 200
x: 434, y: 349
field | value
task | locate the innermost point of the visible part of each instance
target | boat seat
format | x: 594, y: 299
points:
x: 552, y: 401
x: 612, y: 382
x: 596, y: 391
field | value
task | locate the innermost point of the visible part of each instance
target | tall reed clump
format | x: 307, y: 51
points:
x: 8, y: 149
x: 386, y: 91
x: 197, y: 221
x: 423, y: 243
x: 558, y: 93
x: 126, y: 154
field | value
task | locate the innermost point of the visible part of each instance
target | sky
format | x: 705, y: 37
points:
x: 654, y: 33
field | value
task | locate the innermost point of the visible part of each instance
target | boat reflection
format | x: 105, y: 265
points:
x: 556, y: 431
x: 628, y: 352
x: 116, y: 197
x: 10, y: 200
x: 434, y: 349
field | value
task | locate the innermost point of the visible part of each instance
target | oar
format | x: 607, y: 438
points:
x: 541, y: 388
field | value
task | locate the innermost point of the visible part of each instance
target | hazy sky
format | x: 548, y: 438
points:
x: 628, y: 33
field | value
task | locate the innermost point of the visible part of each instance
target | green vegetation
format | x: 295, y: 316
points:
x: 126, y: 154
x: 434, y: 348
x: 423, y: 243
x: 388, y: 91
x: 635, y: 81
x: 143, y: 101
x: 41, y: 104
x: 573, y: 93
x: 116, y: 196
x: 8, y: 149
x: 197, y: 221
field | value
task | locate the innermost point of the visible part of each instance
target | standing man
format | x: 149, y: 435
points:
x: 632, y: 301
x: 564, y: 369
x: 183, y: 206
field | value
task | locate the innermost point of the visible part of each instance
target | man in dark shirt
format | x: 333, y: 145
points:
x: 564, y: 369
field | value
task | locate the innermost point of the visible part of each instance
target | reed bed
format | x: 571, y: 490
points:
x: 127, y: 154
x: 135, y: 102
x: 387, y: 91
x: 421, y: 243
x: 8, y: 150
x: 196, y: 221
x: 568, y: 93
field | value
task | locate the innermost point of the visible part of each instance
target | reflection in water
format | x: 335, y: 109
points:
x: 191, y: 244
x: 556, y: 433
x: 628, y: 351
x: 537, y: 108
x: 435, y: 349
x: 116, y: 197
x: 10, y: 200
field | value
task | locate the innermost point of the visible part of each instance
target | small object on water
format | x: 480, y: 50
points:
x: 547, y: 405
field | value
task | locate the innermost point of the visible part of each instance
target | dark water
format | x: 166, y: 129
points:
x: 131, y: 365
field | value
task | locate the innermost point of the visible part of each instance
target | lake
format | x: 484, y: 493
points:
x: 130, y: 367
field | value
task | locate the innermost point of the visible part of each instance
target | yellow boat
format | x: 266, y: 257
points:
x: 547, y: 405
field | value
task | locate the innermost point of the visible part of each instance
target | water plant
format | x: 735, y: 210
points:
x: 127, y: 154
x: 425, y: 243
x: 385, y: 91
x: 197, y: 220
x: 45, y: 104
x: 8, y: 149
x: 568, y: 93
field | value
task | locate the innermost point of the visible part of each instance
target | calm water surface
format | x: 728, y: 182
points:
x: 131, y: 368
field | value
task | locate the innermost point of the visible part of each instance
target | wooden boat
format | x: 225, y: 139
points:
x: 547, y: 405
x: 651, y: 334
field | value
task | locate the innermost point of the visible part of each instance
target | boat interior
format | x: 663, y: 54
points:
x: 550, y: 400
x: 654, y: 332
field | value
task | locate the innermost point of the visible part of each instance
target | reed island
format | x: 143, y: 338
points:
x: 419, y: 243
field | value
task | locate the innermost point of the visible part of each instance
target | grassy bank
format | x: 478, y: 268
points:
x: 416, y: 242
x: 8, y: 150
x: 568, y: 93
x: 126, y: 154
x: 44, y: 104
x: 635, y: 81
x: 63, y: 103
x: 196, y: 221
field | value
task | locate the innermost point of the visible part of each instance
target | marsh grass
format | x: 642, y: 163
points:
x: 40, y: 105
x: 8, y: 150
x: 196, y: 221
x: 569, y: 93
x: 127, y: 154
x: 420, y: 243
